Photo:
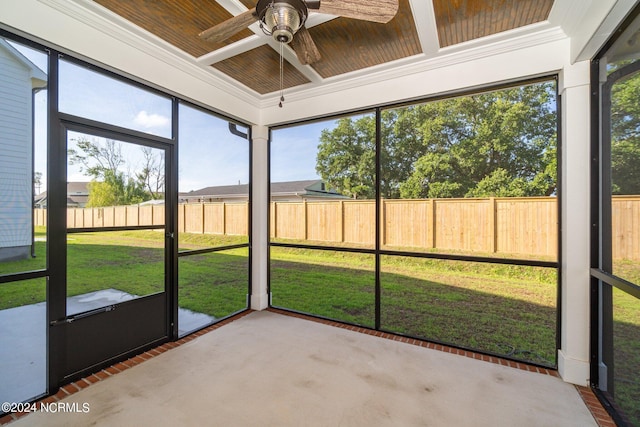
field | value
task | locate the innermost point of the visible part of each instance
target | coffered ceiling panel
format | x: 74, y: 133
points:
x: 463, y: 20
x: 349, y: 44
x: 250, y: 59
x: 177, y: 22
x: 250, y: 69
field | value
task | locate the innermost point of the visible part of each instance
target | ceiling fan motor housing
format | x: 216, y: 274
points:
x: 281, y: 19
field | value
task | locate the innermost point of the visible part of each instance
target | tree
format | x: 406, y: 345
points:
x: 346, y: 157
x: 96, y: 158
x: 37, y: 181
x: 115, y: 190
x: 151, y: 177
x: 110, y: 186
x: 503, y: 142
x: 625, y: 136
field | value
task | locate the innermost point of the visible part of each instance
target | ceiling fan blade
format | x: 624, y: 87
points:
x: 304, y: 47
x: 230, y: 27
x: 381, y: 11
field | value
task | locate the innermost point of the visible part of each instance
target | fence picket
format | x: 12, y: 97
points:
x: 527, y: 225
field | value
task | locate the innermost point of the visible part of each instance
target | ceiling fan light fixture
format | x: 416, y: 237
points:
x: 281, y: 19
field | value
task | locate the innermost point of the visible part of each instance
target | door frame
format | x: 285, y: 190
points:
x: 61, y: 327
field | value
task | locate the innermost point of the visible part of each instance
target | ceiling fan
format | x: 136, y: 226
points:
x: 282, y: 19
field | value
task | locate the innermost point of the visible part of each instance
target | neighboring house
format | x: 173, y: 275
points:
x: 19, y: 80
x: 290, y: 191
x: 77, y: 196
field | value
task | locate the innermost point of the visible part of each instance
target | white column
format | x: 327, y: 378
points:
x: 259, y: 215
x: 573, y: 356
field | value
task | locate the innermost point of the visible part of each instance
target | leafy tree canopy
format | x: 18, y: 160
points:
x: 625, y: 136
x: 116, y: 190
x: 490, y: 144
x: 110, y: 186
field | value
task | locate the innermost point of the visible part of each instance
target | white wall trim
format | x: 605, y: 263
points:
x: 416, y: 65
x: 477, y: 72
x: 573, y: 356
x: 226, y: 91
x: 259, y: 215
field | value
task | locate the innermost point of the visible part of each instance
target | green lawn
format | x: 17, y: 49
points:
x: 133, y: 262
x: 508, y: 310
x: 626, y: 351
x: 497, y: 308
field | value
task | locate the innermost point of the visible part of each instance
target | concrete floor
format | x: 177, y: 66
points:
x: 23, y: 340
x: 266, y: 369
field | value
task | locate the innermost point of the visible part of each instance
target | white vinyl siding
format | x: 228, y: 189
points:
x: 16, y: 147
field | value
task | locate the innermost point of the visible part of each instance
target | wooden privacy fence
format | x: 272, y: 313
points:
x: 214, y: 218
x: 527, y: 225
x: 115, y: 216
x: 507, y: 225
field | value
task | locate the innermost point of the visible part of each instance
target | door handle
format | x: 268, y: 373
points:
x: 70, y: 319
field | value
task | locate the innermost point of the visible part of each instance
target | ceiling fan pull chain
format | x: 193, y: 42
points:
x: 281, y: 76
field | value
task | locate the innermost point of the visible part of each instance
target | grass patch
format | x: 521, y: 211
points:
x: 133, y: 262
x: 189, y: 241
x: 626, y: 352
x: 336, y: 292
x: 506, y: 316
x: 215, y: 283
x: 497, y: 308
x: 503, y: 309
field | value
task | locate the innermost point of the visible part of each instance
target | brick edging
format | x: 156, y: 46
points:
x: 601, y: 416
x: 422, y: 343
x: 76, y: 386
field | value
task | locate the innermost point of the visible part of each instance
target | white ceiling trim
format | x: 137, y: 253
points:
x: 420, y: 64
x: 589, y: 39
x: 564, y: 13
x: 425, y: 20
x: 234, y: 7
x: 231, y: 50
x: 290, y: 56
x: 113, y: 25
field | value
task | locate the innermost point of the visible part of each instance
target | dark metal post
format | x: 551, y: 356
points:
x: 378, y: 216
x: 56, y: 231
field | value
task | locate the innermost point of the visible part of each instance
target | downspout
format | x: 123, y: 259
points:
x: 33, y: 168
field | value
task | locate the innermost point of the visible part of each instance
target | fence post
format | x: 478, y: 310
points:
x: 202, y: 216
x: 383, y: 224
x: 492, y: 225
x: 274, y: 206
x: 184, y: 218
x: 224, y: 218
x: 305, y: 218
x: 432, y: 235
x: 341, y: 213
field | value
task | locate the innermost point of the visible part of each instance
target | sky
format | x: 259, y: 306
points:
x: 209, y: 155
x: 293, y: 151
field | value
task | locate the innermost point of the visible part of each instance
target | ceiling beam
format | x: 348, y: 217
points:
x: 260, y: 39
x: 425, y: 21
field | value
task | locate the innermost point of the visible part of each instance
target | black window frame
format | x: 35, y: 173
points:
x: 57, y: 122
x: 377, y: 251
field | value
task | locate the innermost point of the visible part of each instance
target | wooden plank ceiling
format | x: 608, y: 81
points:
x: 345, y: 44
x: 459, y: 21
